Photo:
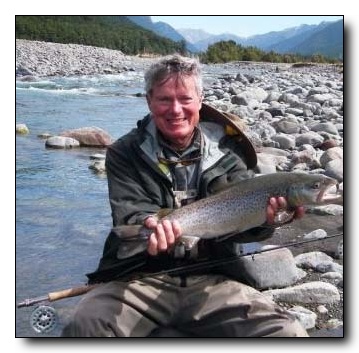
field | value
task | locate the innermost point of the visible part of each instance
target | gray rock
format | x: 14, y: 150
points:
x: 316, y: 234
x: 272, y: 96
x: 294, y: 111
x: 285, y: 141
x: 271, y: 269
x: 318, y: 90
x: 98, y: 156
x: 332, y: 275
x: 330, y: 155
x: 306, y: 293
x: 267, y: 163
x: 61, y: 142
x: 90, y: 136
x: 305, y: 156
x: 98, y: 166
x: 306, y: 317
x: 335, y: 210
x: 334, y: 169
x: 311, y: 138
x: 22, y: 129
x: 326, y: 127
x: 319, y: 98
x: 329, y: 266
x: 312, y: 259
x: 287, y: 127
x: 276, y: 111
x: 289, y: 98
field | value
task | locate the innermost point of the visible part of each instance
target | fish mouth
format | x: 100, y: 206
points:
x: 324, y: 197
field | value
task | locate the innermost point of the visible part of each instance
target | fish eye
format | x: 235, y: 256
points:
x: 316, y: 185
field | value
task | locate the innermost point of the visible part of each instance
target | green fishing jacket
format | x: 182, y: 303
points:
x: 140, y: 186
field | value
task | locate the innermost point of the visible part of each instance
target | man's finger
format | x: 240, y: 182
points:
x: 161, y: 238
x: 152, y: 245
x: 270, y: 214
x: 177, y: 230
x: 282, y: 202
x: 273, y: 203
x: 170, y: 237
x: 150, y: 222
x: 299, y: 212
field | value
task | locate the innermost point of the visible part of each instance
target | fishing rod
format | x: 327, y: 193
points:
x: 76, y: 291
x: 44, y: 318
x: 53, y: 296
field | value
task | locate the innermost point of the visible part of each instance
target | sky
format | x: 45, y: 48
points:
x: 242, y: 26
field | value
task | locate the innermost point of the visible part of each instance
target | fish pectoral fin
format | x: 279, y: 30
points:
x: 189, y: 241
x: 283, y: 216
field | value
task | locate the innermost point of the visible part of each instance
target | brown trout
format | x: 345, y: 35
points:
x: 239, y: 207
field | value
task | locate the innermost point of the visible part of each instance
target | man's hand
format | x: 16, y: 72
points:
x: 165, y: 234
x: 278, y: 204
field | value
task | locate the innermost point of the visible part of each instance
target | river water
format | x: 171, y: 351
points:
x: 62, y: 210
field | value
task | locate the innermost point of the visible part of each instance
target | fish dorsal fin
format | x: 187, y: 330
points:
x: 163, y: 212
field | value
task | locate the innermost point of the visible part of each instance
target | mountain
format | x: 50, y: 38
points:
x: 203, y: 44
x: 161, y: 28
x: 290, y: 38
x: 194, y: 35
x: 274, y: 39
x: 325, y: 38
x: 327, y: 41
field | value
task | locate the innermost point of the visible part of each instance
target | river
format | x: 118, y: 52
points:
x: 62, y: 210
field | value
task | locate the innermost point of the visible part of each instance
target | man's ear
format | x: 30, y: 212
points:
x: 200, y: 101
x: 148, y: 99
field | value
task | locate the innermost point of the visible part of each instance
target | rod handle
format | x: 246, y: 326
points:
x: 70, y: 292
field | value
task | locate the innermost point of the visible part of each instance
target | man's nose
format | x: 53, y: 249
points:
x: 176, y: 106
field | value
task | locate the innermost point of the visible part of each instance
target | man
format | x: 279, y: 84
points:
x: 182, y: 151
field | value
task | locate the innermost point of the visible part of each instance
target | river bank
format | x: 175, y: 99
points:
x: 34, y: 58
x: 294, y: 117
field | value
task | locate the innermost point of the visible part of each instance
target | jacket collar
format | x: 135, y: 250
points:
x: 214, y: 125
x: 233, y: 126
x: 211, y: 134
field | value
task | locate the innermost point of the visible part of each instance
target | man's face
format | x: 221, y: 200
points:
x: 175, y: 106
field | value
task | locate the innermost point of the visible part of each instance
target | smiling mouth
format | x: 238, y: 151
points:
x: 176, y: 121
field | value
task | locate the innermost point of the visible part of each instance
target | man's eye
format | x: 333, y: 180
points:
x: 164, y: 99
x: 186, y: 99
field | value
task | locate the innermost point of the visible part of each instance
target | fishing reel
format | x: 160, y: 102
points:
x: 44, y: 319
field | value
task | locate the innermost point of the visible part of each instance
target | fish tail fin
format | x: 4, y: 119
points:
x: 128, y: 232
x: 128, y: 249
x: 134, y: 240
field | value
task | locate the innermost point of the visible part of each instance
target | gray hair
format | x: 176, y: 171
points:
x: 174, y: 65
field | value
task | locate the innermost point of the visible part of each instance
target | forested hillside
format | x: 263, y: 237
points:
x: 113, y: 32
x: 226, y: 51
